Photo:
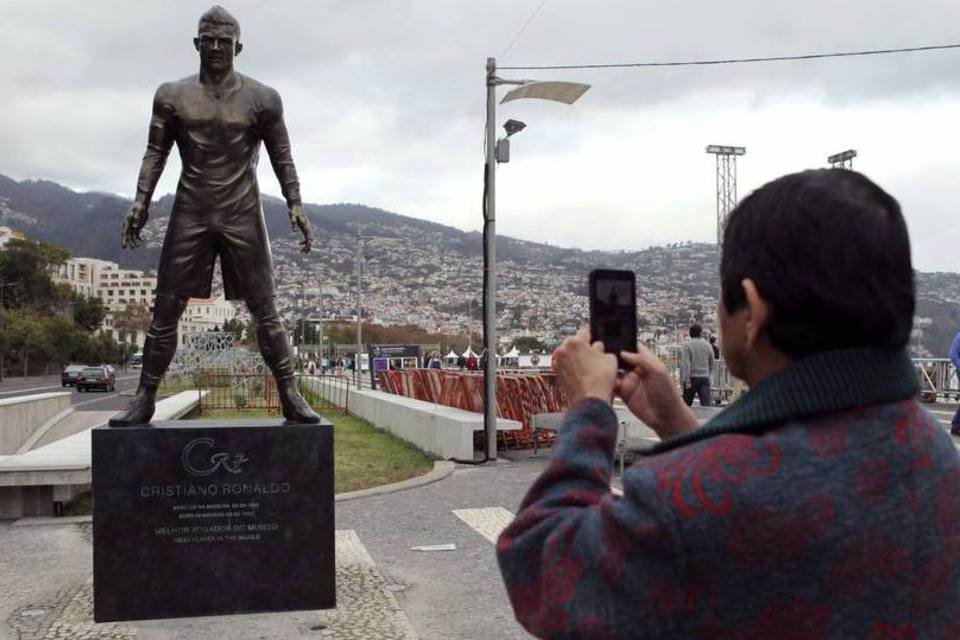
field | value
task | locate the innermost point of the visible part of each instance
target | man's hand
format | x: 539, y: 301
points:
x: 299, y: 220
x: 650, y: 394
x: 687, y: 383
x: 584, y: 370
x: 132, y: 225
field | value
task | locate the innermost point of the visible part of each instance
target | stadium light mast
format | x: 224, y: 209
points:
x: 565, y: 92
x: 726, y: 183
x: 843, y: 160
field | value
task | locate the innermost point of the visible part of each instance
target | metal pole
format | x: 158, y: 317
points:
x: 490, y: 253
x: 3, y: 286
x: 320, y: 328
x: 303, y: 326
x: 356, y: 359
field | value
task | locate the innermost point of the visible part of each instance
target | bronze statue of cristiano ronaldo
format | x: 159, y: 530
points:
x: 217, y: 118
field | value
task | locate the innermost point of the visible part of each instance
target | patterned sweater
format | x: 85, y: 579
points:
x: 822, y: 504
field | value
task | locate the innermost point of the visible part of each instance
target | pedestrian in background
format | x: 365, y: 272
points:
x: 955, y: 358
x: 696, y: 365
x: 716, y: 349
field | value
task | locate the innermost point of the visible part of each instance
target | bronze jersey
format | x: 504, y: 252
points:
x: 217, y: 209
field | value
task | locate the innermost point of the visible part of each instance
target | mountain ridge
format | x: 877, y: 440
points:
x: 427, y: 273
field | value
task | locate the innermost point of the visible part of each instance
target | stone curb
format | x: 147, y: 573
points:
x: 441, y: 470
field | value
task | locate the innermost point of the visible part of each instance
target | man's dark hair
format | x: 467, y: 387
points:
x: 217, y: 15
x: 696, y: 331
x: 828, y: 250
x: 713, y: 339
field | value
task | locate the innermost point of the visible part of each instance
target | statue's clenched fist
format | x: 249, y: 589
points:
x: 133, y: 224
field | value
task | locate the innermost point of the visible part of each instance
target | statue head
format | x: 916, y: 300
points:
x: 218, y: 39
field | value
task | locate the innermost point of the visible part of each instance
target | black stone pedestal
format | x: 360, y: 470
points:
x: 195, y: 518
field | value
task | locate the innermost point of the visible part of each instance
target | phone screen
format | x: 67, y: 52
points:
x: 613, y: 310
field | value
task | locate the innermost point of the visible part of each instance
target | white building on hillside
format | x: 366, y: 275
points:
x: 115, y: 287
x: 82, y: 274
x: 7, y: 234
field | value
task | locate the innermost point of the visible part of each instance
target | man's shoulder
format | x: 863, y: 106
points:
x: 180, y: 84
x: 170, y: 91
x: 262, y: 91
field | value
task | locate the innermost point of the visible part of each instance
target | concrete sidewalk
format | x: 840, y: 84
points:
x: 386, y: 587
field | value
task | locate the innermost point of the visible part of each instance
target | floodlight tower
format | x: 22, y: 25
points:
x: 843, y: 160
x: 726, y: 183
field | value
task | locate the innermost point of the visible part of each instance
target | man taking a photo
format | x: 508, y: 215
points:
x: 821, y: 505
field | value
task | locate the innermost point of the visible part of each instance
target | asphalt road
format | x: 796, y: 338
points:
x: 86, y: 401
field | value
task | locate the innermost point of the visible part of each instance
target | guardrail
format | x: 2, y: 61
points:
x: 223, y: 391
x: 326, y: 391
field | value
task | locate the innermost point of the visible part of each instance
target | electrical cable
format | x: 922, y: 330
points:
x: 523, y: 28
x: 722, y: 61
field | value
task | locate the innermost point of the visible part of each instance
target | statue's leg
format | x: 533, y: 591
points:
x: 158, y: 350
x: 272, y: 339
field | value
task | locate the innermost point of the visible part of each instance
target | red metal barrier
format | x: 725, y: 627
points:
x: 519, y: 397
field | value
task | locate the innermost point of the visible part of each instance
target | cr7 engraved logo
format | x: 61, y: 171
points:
x: 200, y: 459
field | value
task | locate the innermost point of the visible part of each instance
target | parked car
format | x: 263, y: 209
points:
x: 70, y: 373
x: 99, y: 377
x: 136, y: 360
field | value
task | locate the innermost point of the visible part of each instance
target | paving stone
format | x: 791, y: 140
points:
x: 367, y: 608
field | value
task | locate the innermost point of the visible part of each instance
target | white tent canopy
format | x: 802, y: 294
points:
x: 469, y: 352
x: 451, y: 356
x: 513, y: 353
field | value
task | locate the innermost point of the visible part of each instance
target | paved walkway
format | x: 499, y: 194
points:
x: 387, y: 588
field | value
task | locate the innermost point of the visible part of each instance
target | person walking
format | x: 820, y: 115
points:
x: 716, y: 349
x: 955, y: 358
x: 696, y: 365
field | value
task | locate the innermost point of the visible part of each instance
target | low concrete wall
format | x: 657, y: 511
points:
x: 31, y: 482
x: 21, y: 416
x: 437, y: 429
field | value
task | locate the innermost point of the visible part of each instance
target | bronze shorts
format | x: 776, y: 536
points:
x: 195, y: 240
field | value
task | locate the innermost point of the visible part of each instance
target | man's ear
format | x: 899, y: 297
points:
x: 758, y: 312
x: 238, y: 49
x: 196, y: 44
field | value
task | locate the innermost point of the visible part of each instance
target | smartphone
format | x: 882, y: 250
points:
x: 613, y: 310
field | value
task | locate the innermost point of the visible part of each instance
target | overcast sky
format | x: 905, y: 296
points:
x: 384, y: 102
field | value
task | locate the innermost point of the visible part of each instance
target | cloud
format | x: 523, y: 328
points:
x: 384, y: 102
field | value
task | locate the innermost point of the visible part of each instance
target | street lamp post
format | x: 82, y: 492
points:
x: 567, y: 93
x: 356, y: 359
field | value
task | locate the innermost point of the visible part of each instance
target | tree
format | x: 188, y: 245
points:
x: 26, y: 268
x: 309, y: 335
x: 88, y: 311
x: 234, y: 326
x: 528, y: 344
x: 30, y: 336
x: 132, y: 319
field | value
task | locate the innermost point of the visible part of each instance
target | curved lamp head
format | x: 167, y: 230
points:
x: 565, y: 92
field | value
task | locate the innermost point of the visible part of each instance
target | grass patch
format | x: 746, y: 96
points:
x: 81, y: 505
x: 173, y: 386
x: 363, y: 457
